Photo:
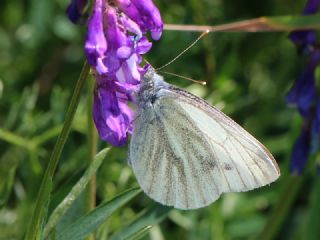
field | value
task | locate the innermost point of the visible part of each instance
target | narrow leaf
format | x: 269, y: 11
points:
x: 262, y: 24
x: 148, y: 217
x: 139, y: 234
x: 90, y: 222
x: 75, y: 191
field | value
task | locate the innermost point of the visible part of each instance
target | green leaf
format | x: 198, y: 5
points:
x: 88, y: 223
x: 77, y: 189
x: 8, y: 164
x: 148, y: 217
x: 139, y: 234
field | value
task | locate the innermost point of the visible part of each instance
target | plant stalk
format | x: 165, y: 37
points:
x: 282, y: 208
x: 33, y: 231
x: 92, y: 150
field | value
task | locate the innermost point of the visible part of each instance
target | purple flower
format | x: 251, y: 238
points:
x: 111, y: 114
x: 300, y: 152
x: 96, y: 43
x: 312, y: 6
x: 315, y: 129
x: 114, y: 45
x: 74, y: 10
x: 305, y: 39
x: 303, y: 94
x: 145, y: 14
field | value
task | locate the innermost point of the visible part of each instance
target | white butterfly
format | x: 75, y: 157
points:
x: 185, y: 153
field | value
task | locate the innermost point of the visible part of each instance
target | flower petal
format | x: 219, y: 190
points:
x: 151, y: 17
x: 112, y: 117
x: 74, y: 10
x: 96, y: 43
x: 145, y: 14
x: 312, y: 6
x: 303, y: 92
x: 300, y: 152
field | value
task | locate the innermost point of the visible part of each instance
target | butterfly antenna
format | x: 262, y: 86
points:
x: 148, y: 62
x: 190, y: 46
x: 190, y: 79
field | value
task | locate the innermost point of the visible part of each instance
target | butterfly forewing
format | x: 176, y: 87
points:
x: 185, y: 153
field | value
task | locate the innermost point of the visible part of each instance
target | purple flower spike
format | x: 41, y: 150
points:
x: 114, y: 45
x: 303, y: 92
x: 304, y: 40
x: 316, y: 123
x: 300, y: 152
x: 312, y: 6
x: 75, y: 9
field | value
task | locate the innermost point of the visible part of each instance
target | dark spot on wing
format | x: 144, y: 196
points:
x: 208, y: 164
x: 228, y: 167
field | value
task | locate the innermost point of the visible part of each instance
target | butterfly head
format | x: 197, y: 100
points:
x: 150, y: 86
x: 148, y: 76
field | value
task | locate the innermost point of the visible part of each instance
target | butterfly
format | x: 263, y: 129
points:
x: 185, y: 153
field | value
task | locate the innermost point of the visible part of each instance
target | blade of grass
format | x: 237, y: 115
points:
x: 282, y: 208
x: 148, y: 217
x: 75, y: 191
x: 33, y: 231
x: 92, y: 150
x: 312, y: 231
x: 139, y: 234
x: 90, y: 222
x: 262, y: 24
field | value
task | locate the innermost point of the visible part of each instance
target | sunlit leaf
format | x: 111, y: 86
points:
x: 76, y: 190
x: 148, y: 217
x: 139, y: 234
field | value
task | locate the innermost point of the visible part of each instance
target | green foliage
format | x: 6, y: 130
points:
x: 248, y: 75
x: 139, y: 225
x: 90, y: 222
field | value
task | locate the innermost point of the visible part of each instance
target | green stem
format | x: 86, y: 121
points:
x: 15, y: 139
x: 281, y: 210
x: 51, y: 133
x: 33, y: 231
x: 92, y: 150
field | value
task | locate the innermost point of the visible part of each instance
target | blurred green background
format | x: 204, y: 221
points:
x: 248, y: 75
